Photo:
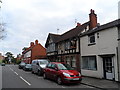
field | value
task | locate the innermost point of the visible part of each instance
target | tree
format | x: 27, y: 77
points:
x: 9, y: 57
x: 2, y: 29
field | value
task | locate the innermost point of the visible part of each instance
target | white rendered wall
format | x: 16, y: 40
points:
x: 105, y: 44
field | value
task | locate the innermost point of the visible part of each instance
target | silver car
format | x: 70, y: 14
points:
x: 38, y: 65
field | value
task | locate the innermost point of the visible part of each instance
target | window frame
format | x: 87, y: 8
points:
x: 91, y: 42
x: 88, y: 64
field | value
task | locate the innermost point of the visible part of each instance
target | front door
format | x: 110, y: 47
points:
x: 108, y: 68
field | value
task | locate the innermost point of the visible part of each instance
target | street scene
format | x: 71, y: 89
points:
x: 25, y: 79
x: 60, y: 44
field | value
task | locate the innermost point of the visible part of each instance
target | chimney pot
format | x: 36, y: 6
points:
x: 31, y: 44
x: 78, y: 24
x: 36, y: 42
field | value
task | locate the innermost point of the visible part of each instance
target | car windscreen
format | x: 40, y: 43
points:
x: 22, y: 63
x: 64, y: 67
x: 28, y: 65
x: 43, y: 62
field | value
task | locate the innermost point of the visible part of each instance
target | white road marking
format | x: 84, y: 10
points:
x: 25, y: 81
x: 16, y: 73
x: 11, y: 69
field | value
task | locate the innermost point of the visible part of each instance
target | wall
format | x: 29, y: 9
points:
x: 37, y: 51
x: 105, y: 44
x: 119, y: 50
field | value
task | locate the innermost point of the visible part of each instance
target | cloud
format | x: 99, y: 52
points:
x: 28, y: 20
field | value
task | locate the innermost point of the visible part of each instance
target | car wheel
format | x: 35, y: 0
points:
x: 59, y: 80
x: 39, y: 73
x: 25, y: 69
x: 32, y: 72
x: 44, y: 76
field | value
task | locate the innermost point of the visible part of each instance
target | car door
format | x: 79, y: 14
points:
x: 48, y: 70
x: 54, y: 72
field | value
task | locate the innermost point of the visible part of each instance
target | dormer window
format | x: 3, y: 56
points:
x: 91, y: 39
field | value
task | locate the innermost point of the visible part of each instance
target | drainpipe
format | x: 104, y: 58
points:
x: 118, y: 64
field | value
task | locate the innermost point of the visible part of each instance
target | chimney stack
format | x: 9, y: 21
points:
x: 93, y: 19
x: 78, y: 24
x: 36, y: 42
x: 31, y: 44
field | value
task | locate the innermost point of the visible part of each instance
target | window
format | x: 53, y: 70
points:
x: 91, y: 39
x: 67, y: 45
x: 53, y: 66
x: 73, y: 61
x: 89, y: 63
x: 73, y: 44
x: 68, y: 60
x: 49, y: 65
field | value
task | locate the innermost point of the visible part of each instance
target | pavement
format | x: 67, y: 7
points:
x: 100, y: 83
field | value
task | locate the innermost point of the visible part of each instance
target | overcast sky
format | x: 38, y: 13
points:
x: 28, y: 20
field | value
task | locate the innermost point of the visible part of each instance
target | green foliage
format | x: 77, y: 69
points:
x: 18, y: 61
x: 3, y: 61
x: 0, y: 61
x: 9, y: 57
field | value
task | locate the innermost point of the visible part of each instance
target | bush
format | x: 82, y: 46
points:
x: 3, y: 61
x: 0, y: 61
x: 18, y: 61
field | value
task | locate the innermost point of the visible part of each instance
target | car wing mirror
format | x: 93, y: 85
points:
x: 56, y: 69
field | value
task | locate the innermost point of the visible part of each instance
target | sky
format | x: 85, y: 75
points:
x: 28, y: 20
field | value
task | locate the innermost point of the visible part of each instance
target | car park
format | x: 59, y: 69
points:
x: 38, y: 65
x: 27, y: 67
x: 21, y: 65
x: 62, y: 73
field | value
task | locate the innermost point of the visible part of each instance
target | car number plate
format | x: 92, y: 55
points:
x: 76, y: 79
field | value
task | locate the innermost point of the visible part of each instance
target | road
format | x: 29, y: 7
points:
x: 12, y: 77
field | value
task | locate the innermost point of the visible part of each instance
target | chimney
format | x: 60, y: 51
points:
x: 78, y: 24
x: 93, y: 19
x: 31, y: 44
x: 36, y: 42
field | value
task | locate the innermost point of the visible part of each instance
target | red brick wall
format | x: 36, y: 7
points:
x: 38, y: 51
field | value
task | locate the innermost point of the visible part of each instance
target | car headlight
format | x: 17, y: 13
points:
x: 66, y: 74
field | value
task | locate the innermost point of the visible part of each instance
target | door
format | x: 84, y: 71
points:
x: 54, y: 72
x: 108, y: 68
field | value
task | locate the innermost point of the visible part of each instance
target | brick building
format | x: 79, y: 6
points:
x: 1, y: 57
x: 35, y: 51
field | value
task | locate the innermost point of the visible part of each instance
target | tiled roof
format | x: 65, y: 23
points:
x: 73, y: 32
x: 67, y: 35
x: 103, y: 27
x: 55, y: 37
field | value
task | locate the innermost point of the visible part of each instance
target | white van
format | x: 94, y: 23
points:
x: 38, y: 65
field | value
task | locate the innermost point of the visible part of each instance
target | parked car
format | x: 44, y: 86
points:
x: 2, y: 64
x: 62, y: 73
x: 38, y: 66
x: 21, y: 65
x: 27, y: 67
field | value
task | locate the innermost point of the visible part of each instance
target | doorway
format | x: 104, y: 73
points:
x: 108, y: 68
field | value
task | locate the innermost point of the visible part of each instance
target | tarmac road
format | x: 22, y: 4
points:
x: 12, y: 77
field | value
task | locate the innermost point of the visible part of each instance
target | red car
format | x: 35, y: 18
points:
x: 62, y: 73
